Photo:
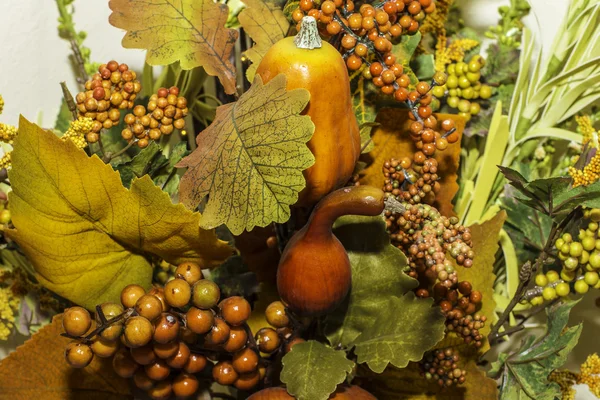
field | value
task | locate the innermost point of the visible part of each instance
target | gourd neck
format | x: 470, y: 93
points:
x: 354, y: 200
x: 308, y: 37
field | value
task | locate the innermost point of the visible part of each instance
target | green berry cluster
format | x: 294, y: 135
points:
x: 463, y: 86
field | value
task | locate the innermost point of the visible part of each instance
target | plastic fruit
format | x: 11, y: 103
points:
x: 314, y: 273
x: 318, y: 67
x: 342, y: 393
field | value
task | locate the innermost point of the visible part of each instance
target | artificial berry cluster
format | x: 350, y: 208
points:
x: 171, y: 340
x: 442, y: 366
x: 165, y: 111
x: 463, y: 86
x: 580, y: 264
x: 114, y: 87
x: 427, y: 238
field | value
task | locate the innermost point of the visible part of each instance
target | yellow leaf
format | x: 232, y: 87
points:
x: 38, y: 370
x: 249, y: 161
x: 392, y: 139
x: 266, y: 24
x: 86, y: 235
x: 190, y: 31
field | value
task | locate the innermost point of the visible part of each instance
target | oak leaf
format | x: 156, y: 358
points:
x: 38, y: 370
x: 192, y: 32
x: 392, y: 139
x: 86, y: 235
x: 266, y: 24
x: 249, y: 161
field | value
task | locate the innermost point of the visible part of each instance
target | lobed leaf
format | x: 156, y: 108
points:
x: 192, y: 32
x: 312, y: 370
x: 249, y: 161
x: 86, y: 235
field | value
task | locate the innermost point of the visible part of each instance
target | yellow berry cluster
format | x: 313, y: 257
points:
x: 114, y: 87
x: 1, y: 104
x: 77, y: 131
x: 565, y: 379
x: 588, y: 175
x: 165, y: 111
x: 590, y: 374
x: 584, y: 125
x: 9, y: 304
x: 7, y: 133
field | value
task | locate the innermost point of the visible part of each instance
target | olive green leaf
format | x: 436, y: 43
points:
x: 312, y: 370
x: 366, y: 143
x: 405, y: 328
x: 139, y: 165
x: 266, y: 24
x: 85, y: 234
x: 376, y: 276
x: 249, y: 161
x: 190, y: 31
x: 525, y: 373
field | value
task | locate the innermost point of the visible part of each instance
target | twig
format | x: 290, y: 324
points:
x: 109, y: 156
x: 69, y: 99
x: 83, y: 76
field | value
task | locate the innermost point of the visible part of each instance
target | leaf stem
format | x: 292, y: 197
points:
x: 108, y: 157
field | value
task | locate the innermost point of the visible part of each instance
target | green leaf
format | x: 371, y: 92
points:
x: 312, y: 371
x: 376, y: 276
x: 64, y: 117
x: 423, y: 66
x: 138, y: 165
x: 405, y: 329
x: 366, y: 144
x: 525, y: 373
x: 405, y: 49
x: 568, y: 198
x: 234, y: 278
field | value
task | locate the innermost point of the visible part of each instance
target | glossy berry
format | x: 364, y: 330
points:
x: 149, y: 307
x: 245, y: 361
x: 166, y: 328
x: 179, y: 359
x: 143, y: 355
x: 549, y: 293
x: 219, y: 333
x: 185, y: 385
x: 131, y: 294
x: 190, y: 272
x: 205, y: 294
x: 195, y: 363
x: 104, y: 348
x: 161, y: 391
x: 110, y: 311
x: 166, y: 350
x: 78, y: 355
x: 199, y: 321
x: 292, y: 343
x: 224, y: 373
x: 142, y: 381
x: 123, y: 364
x: 268, y: 340
x: 247, y: 381
x: 159, y: 293
x: 237, y: 339
x: 76, y: 321
x: 235, y: 310
x: 178, y: 293
x: 158, y: 370
x: 563, y: 289
x: 276, y: 315
x: 138, y: 331
x: 581, y: 286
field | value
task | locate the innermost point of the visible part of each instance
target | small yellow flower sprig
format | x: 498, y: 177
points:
x: 436, y: 21
x: 590, y: 374
x: 445, y: 55
x: 9, y: 304
x: 588, y: 175
x: 565, y: 379
x: 77, y: 131
x: 1, y: 104
x: 584, y: 125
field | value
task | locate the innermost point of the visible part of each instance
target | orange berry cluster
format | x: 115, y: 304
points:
x: 169, y: 340
x: 114, y: 87
x: 165, y: 111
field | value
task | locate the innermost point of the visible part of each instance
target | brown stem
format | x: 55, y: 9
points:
x: 83, y: 76
x: 69, y: 100
x: 109, y: 156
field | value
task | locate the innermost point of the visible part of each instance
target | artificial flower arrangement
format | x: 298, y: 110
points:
x: 312, y: 200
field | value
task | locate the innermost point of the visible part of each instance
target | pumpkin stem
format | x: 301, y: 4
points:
x: 308, y: 37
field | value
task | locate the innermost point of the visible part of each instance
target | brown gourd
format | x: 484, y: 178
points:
x: 317, y: 66
x: 314, y: 274
x: 342, y: 393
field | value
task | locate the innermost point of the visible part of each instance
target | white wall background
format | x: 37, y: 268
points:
x: 34, y: 60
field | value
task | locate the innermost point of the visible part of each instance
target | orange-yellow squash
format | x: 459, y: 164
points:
x: 322, y: 71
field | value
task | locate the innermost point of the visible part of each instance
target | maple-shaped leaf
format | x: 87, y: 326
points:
x: 376, y: 276
x: 312, y: 371
x: 192, y: 32
x: 392, y: 139
x: 249, y: 161
x: 86, y: 235
x: 404, y: 330
x: 525, y: 373
x: 38, y: 370
x: 410, y: 384
x: 266, y: 24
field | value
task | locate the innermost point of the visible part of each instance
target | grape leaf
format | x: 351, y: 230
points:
x: 249, y: 161
x: 376, y: 276
x: 190, y: 31
x: 405, y: 328
x: 266, y: 24
x: 525, y: 373
x: 38, y: 370
x: 85, y: 234
x: 312, y: 370
x: 410, y: 384
x: 392, y: 139
x: 138, y: 165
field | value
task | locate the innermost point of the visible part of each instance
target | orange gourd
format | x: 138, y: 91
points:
x: 318, y: 67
